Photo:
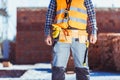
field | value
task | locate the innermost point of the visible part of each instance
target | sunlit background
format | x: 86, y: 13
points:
x: 44, y: 3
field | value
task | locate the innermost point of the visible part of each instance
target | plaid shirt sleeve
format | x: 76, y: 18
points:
x: 91, y: 16
x: 50, y: 15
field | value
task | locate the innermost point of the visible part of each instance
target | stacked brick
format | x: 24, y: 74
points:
x: 108, y: 20
x: 12, y: 52
x: 105, y: 54
x: 116, y: 52
x: 30, y: 45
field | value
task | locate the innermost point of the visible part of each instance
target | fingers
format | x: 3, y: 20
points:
x: 48, y: 40
x: 93, y: 39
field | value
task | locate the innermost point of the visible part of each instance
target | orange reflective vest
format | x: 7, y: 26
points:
x: 77, y: 14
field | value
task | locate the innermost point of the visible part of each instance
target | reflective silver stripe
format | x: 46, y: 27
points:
x: 78, y: 20
x: 60, y: 11
x: 73, y: 19
x: 61, y: 20
x: 78, y: 9
x: 74, y: 9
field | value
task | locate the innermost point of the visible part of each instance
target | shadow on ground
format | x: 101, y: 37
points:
x: 44, y: 70
x: 104, y: 73
x: 11, y: 73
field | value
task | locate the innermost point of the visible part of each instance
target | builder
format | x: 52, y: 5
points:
x: 4, y: 41
x: 67, y: 23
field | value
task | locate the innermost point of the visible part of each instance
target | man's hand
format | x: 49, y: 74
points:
x: 48, y: 40
x: 93, y: 38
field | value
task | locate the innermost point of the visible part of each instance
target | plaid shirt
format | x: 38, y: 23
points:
x: 52, y: 12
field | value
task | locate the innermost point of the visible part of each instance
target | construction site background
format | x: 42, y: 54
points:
x: 30, y: 48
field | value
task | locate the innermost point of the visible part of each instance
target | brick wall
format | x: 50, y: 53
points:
x: 105, y: 54
x: 108, y: 20
x: 30, y: 46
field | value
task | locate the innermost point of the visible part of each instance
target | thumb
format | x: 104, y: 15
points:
x: 48, y: 40
x: 93, y: 39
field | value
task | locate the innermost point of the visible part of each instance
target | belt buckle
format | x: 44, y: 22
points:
x: 76, y: 39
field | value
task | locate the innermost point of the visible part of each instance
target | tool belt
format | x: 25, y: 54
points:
x: 66, y: 35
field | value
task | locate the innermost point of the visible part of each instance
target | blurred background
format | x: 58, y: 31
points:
x: 22, y: 34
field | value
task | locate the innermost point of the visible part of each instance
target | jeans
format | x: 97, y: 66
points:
x: 6, y: 49
x: 61, y: 53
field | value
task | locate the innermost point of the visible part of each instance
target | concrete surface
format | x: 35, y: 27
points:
x: 42, y: 71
